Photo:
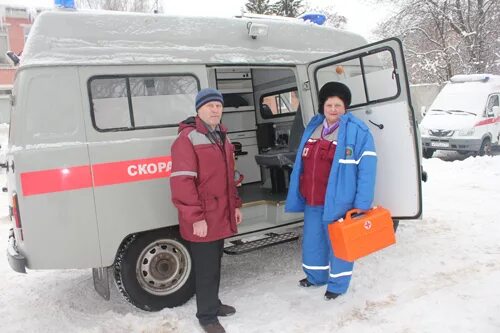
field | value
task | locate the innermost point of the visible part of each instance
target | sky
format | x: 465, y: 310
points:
x: 362, y: 15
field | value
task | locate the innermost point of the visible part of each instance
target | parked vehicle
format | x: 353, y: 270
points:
x: 464, y: 117
x: 96, y: 103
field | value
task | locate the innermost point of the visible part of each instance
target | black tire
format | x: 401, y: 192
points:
x: 154, y: 270
x: 485, y: 148
x: 427, y: 152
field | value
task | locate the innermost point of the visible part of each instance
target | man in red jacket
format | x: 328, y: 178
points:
x: 204, y: 193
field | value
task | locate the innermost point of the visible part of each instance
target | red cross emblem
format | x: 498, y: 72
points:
x: 368, y: 225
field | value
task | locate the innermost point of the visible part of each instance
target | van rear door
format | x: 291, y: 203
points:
x: 376, y: 75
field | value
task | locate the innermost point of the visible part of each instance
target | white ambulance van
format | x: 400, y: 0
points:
x: 464, y: 117
x: 97, y: 100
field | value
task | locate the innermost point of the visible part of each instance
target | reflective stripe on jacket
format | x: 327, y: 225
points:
x: 202, y: 182
x: 351, y: 183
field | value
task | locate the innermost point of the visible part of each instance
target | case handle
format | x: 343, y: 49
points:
x: 353, y: 213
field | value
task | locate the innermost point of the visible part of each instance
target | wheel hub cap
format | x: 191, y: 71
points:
x: 163, y: 267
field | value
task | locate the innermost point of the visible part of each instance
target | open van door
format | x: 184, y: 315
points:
x: 376, y: 75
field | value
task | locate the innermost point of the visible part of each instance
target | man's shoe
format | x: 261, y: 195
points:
x: 305, y: 283
x: 226, y: 310
x: 214, y: 327
x: 329, y: 295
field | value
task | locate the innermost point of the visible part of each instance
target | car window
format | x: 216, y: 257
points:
x: 492, y: 101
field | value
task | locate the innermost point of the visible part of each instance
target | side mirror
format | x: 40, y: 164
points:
x: 13, y: 57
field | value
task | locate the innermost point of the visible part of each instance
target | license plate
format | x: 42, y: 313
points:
x: 440, y: 144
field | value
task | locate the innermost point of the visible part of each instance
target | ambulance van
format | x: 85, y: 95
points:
x: 464, y: 117
x: 96, y: 104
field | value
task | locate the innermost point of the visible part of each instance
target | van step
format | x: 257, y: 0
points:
x: 271, y: 239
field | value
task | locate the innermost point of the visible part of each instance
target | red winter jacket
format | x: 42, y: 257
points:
x: 202, y: 182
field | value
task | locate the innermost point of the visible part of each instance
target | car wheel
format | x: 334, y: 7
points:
x: 427, y: 153
x: 154, y: 270
x: 485, y: 148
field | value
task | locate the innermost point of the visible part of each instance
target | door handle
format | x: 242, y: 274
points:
x: 381, y: 126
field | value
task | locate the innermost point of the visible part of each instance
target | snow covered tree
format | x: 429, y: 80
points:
x: 289, y: 8
x: 258, y: 6
x: 447, y: 37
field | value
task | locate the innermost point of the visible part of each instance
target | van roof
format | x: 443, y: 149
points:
x: 484, y: 78
x: 102, y: 37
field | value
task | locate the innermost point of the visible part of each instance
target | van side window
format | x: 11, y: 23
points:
x: 110, y: 103
x: 492, y: 101
x: 372, y: 78
x: 138, y: 102
x: 283, y: 103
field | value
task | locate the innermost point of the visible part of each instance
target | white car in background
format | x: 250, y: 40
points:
x: 464, y: 117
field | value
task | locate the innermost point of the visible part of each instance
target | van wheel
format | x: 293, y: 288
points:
x: 485, y: 148
x: 154, y: 270
x: 427, y: 153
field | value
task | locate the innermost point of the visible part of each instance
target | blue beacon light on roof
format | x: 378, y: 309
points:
x: 70, y: 4
x: 318, y: 19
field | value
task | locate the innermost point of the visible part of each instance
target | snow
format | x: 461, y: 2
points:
x: 466, y: 96
x: 441, y: 276
x: 102, y: 37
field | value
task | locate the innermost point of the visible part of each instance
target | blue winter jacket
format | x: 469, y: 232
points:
x: 351, y: 183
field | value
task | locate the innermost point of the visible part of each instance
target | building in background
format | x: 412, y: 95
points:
x: 15, y: 24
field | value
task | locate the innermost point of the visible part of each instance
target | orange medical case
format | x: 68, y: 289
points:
x: 357, y: 236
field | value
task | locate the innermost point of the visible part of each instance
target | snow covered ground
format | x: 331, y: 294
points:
x: 441, y: 276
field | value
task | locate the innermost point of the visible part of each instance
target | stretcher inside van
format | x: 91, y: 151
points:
x: 96, y: 104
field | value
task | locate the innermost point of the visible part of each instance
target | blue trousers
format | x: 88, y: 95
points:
x: 318, y: 260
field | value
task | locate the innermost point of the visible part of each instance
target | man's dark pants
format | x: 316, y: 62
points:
x: 207, y: 264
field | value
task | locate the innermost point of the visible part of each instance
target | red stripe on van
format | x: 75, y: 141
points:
x: 132, y: 171
x: 56, y: 180
x: 488, y: 121
x: 79, y: 177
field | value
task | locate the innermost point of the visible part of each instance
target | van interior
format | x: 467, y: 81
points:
x: 264, y: 121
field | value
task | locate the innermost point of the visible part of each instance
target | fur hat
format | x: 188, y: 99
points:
x: 207, y: 95
x: 334, y: 89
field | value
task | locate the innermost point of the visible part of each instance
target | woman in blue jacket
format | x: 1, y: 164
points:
x: 334, y: 171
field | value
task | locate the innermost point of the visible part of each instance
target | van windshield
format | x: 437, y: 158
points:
x: 461, y: 98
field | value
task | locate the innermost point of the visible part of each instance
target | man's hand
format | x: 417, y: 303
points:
x: 200, y: 228
x: 238, y: 216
